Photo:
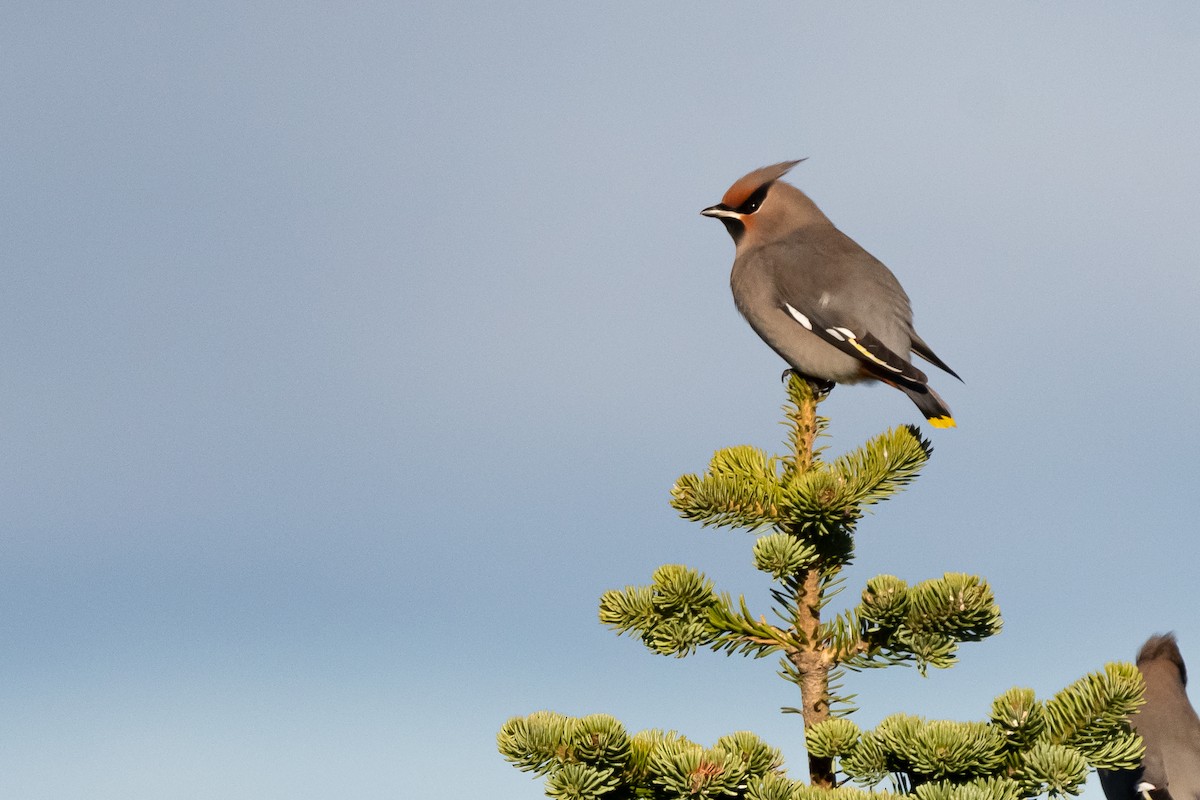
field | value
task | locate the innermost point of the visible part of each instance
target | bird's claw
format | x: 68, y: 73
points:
x: 821, y: 387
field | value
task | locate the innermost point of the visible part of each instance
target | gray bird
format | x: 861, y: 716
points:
x: 829, y: 308
x: 1169, y: 727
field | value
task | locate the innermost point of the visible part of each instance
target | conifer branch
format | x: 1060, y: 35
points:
x: 803, y: 424
x: 740, y: 489
x: 805, y: 512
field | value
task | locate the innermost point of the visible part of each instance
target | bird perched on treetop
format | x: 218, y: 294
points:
x: 827, y: 306
x: 1169, y: 728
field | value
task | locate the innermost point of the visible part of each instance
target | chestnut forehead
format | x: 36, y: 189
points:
x: 748, y: 184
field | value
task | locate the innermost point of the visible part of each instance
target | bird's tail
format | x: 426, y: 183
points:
x: 931, y: 405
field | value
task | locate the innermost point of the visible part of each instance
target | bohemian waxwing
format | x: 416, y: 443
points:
x: 828, y: 307
x: 1169, y: 727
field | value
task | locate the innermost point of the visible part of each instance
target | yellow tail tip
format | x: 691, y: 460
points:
x: 943, y: 422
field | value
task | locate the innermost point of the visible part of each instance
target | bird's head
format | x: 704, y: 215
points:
x: 757, y: 207
x: 1163, y: 648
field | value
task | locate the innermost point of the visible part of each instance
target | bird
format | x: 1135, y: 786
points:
x: 1169, y: 728
x: 829, y: 308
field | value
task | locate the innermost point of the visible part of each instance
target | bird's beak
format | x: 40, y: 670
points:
x: 721, y: 211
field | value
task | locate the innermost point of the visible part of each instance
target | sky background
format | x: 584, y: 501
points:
x: 349, y: 353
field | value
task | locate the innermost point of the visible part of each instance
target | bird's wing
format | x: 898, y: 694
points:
x: 854, y: 303
x: 920, y: 348
x: 857, y: 341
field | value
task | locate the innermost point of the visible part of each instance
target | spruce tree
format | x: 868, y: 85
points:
x: 804, y: 511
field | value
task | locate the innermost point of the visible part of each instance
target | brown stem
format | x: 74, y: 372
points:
x: 806, y: 434
x: 811, y: 660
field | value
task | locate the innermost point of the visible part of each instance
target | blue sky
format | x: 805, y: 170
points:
x: 350, y: 352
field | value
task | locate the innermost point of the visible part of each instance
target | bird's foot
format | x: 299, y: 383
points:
x: 820, y: 386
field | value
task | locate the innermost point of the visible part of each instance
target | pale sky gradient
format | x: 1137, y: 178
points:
x: 350, y: 351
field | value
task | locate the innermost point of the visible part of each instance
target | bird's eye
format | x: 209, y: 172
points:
x: 754, y: 201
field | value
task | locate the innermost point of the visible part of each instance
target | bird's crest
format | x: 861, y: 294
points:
x: 748, y: 184
x: 1165, y: 648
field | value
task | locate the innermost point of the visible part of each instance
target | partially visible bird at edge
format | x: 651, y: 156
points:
x: 1169, y: 727
x: 829, y: 308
